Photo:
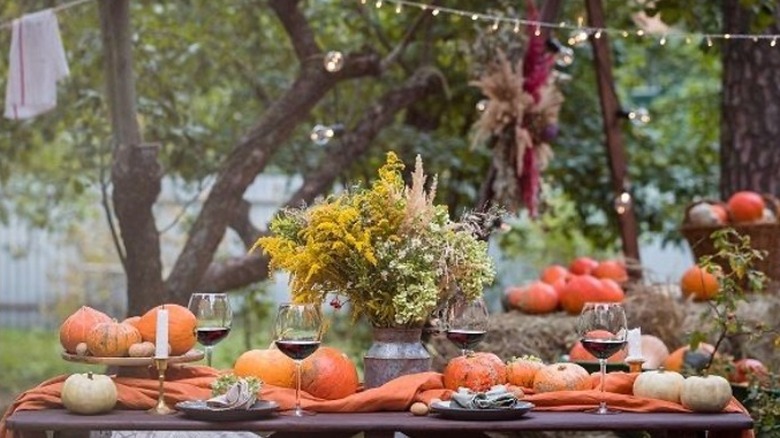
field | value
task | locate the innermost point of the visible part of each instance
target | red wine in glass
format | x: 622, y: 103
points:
x: 297, y: 350
x: 208, y: 336
x: 602, y: 329
x: 466, y: 339
x: 602, y: 348
x: 297, y: 334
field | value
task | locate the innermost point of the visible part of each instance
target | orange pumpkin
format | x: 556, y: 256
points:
x: 563, y: 376
x: 478, y: 372
x: 329, y: 374
x: 537, y: 297
x: 580, y: 290
x: 746, y: 206
x: 553, y: 273
x: 75, y: 328
x: 271, y: 366
x: 612, y: 292
x: 699, y: 283
x: 611, y: 269
x: 683, y: 357
x: 181, y: 327
x: 112, y: 339
x: 583, y: 265
x: 521, y: 371
x: 132, y: 320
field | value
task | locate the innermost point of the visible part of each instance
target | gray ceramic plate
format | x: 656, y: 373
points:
x: 197, y: 410
x: 447, y: 410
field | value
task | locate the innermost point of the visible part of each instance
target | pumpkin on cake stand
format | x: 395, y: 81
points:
x: 92, y: 337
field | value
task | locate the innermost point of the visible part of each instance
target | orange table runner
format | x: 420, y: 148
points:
x: 194, y: 382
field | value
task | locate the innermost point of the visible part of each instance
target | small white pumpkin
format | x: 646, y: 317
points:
x: 660, y: 384
x: 705, y: 394
x: 89, y: 393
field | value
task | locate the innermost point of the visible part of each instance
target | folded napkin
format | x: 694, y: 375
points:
x: 238, y: 396
x: 497, y: 397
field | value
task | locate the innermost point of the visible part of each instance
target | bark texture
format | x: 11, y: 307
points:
x: 750, y: 152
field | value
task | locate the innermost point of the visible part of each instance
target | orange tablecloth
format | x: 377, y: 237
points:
x: 194, y: 382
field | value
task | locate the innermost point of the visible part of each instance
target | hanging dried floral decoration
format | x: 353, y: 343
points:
x: 519, y: 120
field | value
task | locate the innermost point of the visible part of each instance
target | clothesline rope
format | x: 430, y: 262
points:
x: 62, y: 7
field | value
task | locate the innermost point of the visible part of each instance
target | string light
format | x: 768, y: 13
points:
x: 597, y: 32
x: 482, y: 105
x: 663, y: 40
x: 378, y: 4
x: 333, y: 61
x: 516, y: 28
x: 495, y: 25
x: 399, y: 8
x: 622, y: 203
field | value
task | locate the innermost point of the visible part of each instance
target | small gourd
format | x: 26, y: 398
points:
x: 82, y: 349
x: 660, y: 384
x: 419, y: 409
x: 89, y: 393
x: 141, y: 349
x: 705, y: 394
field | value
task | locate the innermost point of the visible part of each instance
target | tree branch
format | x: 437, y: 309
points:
x: 234, y: 273
x: 243, y: 226
x: 424, y: 82
x: 399, y: 49
x: 297, y: 27
x: 253, y: 152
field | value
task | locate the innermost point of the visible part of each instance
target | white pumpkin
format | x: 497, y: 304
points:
x: 705, y: 394
x: 660, y: 384
x: 654, y: 351
x: 89, y: 393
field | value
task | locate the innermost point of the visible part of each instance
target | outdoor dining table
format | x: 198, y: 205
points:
x: 34, y: 424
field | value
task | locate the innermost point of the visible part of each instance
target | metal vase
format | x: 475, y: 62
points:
x: 395, y: 352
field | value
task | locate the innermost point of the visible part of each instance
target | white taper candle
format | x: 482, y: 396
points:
x: 161, y: 335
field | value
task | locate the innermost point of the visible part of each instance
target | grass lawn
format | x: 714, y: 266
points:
x: 28, y: 357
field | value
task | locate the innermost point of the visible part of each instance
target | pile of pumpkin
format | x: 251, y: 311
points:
x: 481, y: 371
x: 90, y: 332
x: 586, y: 279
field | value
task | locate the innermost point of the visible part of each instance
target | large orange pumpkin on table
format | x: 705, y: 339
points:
x: 477, y: 371
x: 521, y: 371
x: 271, y: 366
x: 181, y: 327
x: 330, y: 374
x: 563, y: 376
x: 76, y: 327
x: 112, y: 339
x: 553, y: 273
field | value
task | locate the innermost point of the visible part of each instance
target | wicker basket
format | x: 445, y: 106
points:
x: 763, y: 236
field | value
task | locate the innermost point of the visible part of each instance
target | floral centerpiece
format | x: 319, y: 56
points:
x: 387, y: 249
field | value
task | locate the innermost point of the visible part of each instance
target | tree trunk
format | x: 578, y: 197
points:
x: 135, y: 171
x: 750, y: 153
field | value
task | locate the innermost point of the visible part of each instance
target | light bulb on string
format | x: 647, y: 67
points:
x: 538, y: 30
x: 639, y: 116
x: 378, y: 4
x: 435, y: 12
x: 597, y: 35
x: 334, y: 61
x: 622, y: 202
x: 517, y: 27
x: 321, y: 134
x: 564, y: 57
x: 482, y: 105
x: 495, y: 25
x: 578, y: 37
x: 399, y: 8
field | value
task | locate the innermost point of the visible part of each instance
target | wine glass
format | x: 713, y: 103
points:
x: 214, y: 318
x: 297, y: 333
x: 602, y: 329
x: 467, y: 323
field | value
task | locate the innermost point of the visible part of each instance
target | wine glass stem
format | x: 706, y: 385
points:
x: 603, y: 378
x: 298, y: 410
x: 208, y: 354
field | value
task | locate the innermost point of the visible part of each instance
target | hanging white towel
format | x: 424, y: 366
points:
x: 36, y: 62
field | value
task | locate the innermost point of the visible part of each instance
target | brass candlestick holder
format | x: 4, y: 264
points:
x: 161, y: 408
x: 635, y: 364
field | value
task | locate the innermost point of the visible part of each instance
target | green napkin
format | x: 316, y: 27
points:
x: 497, y: 397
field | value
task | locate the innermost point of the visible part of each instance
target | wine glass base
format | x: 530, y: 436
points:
x: 602, y: 410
